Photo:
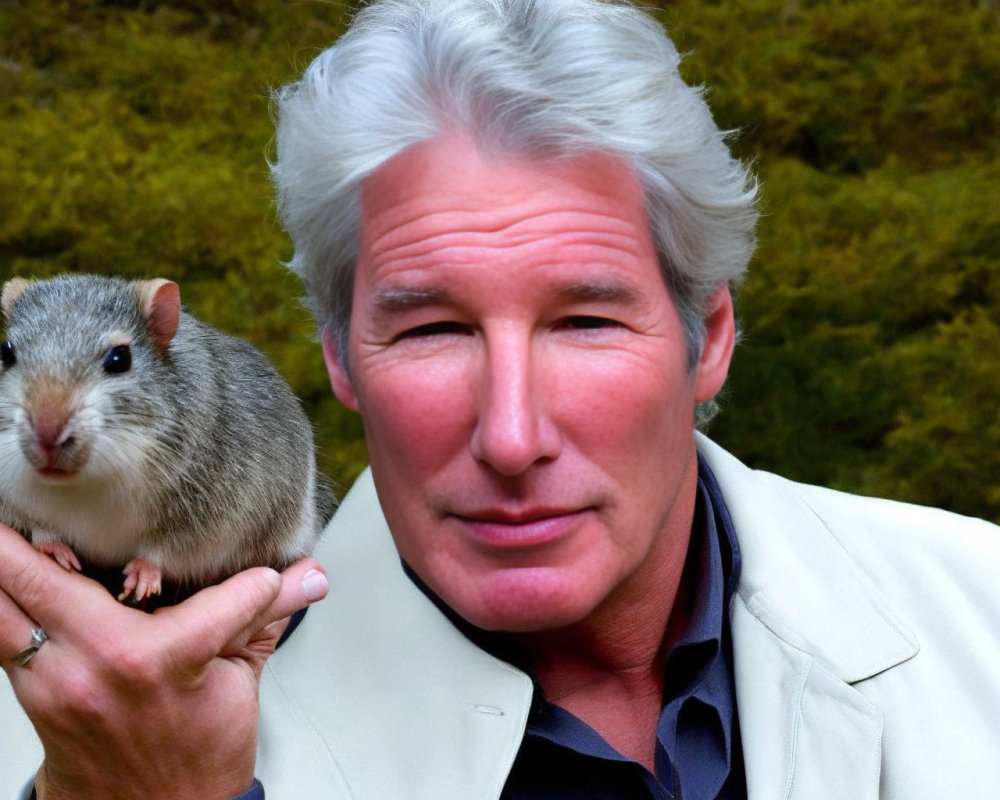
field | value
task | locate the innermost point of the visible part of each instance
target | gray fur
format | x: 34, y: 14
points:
x: 200, y: 458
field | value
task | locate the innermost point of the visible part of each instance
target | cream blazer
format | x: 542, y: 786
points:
x: 867, y: 656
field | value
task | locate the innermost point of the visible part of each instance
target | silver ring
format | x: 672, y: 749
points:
x: 38, y: 638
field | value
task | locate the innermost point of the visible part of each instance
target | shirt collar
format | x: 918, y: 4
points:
x: 698, y: 731
x: 711, y: 572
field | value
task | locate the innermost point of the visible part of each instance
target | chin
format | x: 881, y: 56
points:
x: 527, y: 601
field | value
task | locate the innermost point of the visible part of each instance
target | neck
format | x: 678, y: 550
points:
x: 614, y: 683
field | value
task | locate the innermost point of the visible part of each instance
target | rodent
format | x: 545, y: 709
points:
x: 133, y: 434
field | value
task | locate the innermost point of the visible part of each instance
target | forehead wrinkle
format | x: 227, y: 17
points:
x: 468, y: 222
x: 412, y: 226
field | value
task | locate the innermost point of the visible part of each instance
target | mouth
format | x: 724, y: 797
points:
x: 56, y: 475
x: 498, y: 529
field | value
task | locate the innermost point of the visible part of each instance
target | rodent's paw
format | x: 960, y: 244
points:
x: 62, y: 553
x: 142, y: 580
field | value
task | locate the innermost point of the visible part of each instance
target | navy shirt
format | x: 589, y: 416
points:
x: 698, y: 751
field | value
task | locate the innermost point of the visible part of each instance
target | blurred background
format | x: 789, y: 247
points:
x: 134, y: 138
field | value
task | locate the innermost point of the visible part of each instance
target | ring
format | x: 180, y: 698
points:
x: 38, y: 638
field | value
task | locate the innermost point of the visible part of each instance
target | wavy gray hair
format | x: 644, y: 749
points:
x: 535, y: 78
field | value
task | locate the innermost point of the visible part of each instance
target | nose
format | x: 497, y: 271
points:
x: 514, y: 429
x: 50, y: 428
x: 49, y: 435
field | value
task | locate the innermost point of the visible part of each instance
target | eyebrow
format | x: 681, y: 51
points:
x: 393, y: 300
x: 608, y: 290
x: 399, y: 299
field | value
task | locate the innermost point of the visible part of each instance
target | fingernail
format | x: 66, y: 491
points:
x: 315, y: 585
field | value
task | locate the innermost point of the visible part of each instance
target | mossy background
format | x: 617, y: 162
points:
x: 134, y: 138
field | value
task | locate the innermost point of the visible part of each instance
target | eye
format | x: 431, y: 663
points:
x: 585, y: 322
x: 118, y: 359
x: 433, y: 329
x: 7, y: 354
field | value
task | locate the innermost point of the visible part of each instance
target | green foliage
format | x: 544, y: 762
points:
x: 133, y: 140
x: 872, y: 352
x: 134, y: 137
x: 871, y: 358
x: 845, y: 84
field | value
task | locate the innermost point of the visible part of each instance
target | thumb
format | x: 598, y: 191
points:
x: 216, y: 618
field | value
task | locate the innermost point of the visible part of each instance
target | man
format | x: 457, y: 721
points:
x: 519, y: 230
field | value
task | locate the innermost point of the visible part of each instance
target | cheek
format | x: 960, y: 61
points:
x: 414, y: 414
x: 627, y: 409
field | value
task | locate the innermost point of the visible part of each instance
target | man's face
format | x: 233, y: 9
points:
x: 522, y: 378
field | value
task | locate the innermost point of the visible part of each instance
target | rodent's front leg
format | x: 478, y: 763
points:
x: 50, y: 543
x: 142, y: 580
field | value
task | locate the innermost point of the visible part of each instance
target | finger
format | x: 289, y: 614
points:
x: 15, y: 625
x: 252, y: 614
x: 15, y: 631
x: 206, y: 623
x: 36, y: 592
x: 302, y: 583
x: 37, y: 584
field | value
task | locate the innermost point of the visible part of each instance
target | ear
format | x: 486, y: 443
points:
x: 160, y: 301
x: 12, y: 290
x: 720, y: 339
x: 340, y: 380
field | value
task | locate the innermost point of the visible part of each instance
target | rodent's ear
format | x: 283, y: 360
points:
x: 160, y: 301
x: 12, y: 290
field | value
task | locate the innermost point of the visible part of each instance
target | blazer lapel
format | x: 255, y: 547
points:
x: 806, y: 732
x: 417, y: 711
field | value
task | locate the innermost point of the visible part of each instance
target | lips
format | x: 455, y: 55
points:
x: 503, y: 530
x: 55, y: 474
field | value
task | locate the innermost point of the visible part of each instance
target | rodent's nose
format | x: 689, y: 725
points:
x: 50, y: 429
x: 52, y: 434
x: 52, y: 441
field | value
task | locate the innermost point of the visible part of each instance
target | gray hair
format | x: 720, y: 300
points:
x: 534, y: 78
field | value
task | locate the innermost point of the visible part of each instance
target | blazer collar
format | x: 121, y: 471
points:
x: 799, y: 580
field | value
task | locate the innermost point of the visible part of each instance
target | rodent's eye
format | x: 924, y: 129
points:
x: 7, y: 354
x: 118, y: 359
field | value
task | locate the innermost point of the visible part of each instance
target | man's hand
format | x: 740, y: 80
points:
x: 129, y: 704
